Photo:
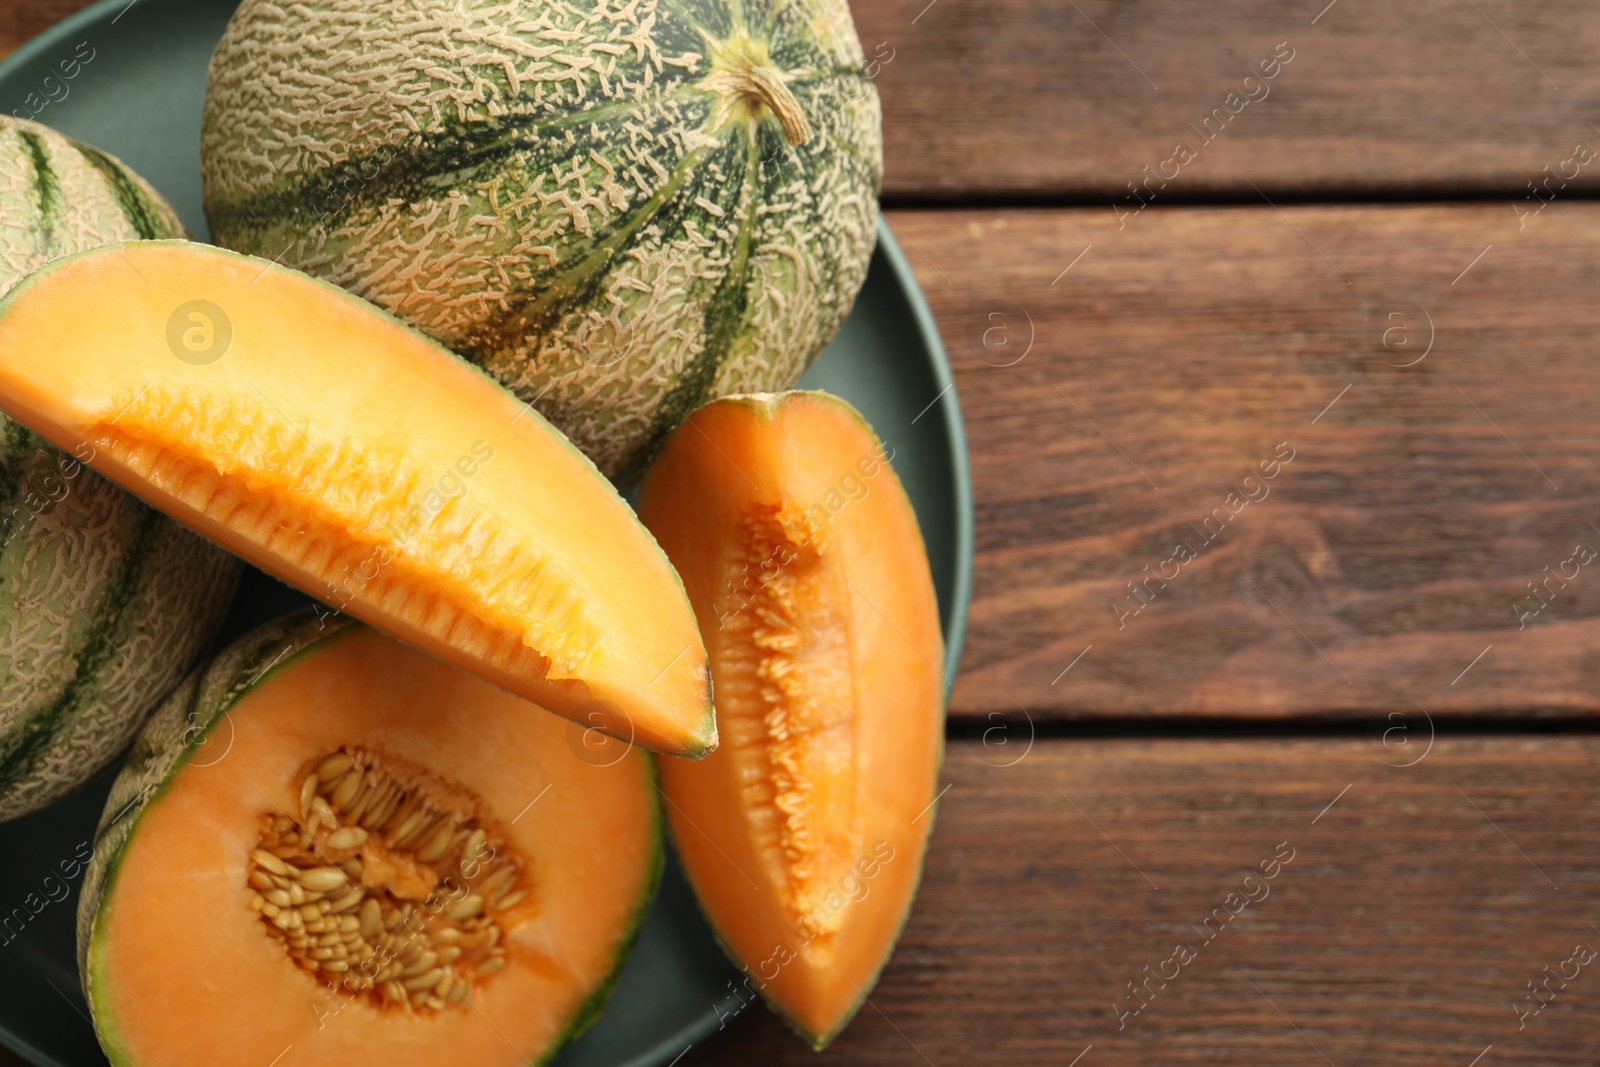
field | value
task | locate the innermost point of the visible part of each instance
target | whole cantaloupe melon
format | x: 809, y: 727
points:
x: 104, y: 603
x: 620, y: 209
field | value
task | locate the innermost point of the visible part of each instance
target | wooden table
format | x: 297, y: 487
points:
x: 1162, y: 273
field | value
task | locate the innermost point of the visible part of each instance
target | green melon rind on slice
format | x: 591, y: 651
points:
x: 591, y: 1010
x: 182, y: 726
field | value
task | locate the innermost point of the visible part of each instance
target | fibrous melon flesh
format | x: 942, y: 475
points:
x: 804, y: 833
x: 104, y: 602
x: 330, y: 843
x: 620, y: 210
x: 332, y: 446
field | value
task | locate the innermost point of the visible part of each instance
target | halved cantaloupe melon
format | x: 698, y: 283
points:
x: 804, y: 833
x: 330, y: 445
x: 330, y: 843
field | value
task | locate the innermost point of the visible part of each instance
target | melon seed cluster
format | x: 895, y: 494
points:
x: 386, y: 884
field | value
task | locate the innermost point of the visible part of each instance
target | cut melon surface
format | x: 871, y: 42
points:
x: 330, y: 848
x: 803, y: 834
x: 333, y: 447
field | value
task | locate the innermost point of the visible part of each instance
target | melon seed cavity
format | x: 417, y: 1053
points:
x: 387, y: 884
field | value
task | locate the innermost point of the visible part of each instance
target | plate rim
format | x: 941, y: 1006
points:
x: 938, y: 361
x: 955, y: 429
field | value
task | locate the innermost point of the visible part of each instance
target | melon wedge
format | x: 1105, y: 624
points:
x: 328, y: 848
x: 803, y: 835
x: 333, y: 447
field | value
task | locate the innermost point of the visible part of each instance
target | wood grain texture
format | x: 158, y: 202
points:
x: 1187, y: 348
x: 1183, y: 347
x: 1007, y: 98
x: 1403, y: 931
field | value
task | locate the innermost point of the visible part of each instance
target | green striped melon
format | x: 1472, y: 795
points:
x: 104, y: 603
x: 620, y: 208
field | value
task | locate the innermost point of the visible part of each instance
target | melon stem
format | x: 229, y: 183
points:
x: 747, y: 81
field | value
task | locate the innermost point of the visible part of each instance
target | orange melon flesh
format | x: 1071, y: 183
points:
x: 181, y: 971
x: 804, y: 833
x: 353, y: 458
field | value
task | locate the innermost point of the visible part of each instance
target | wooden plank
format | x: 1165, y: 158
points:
x: 1186, y: 349
x: 1007, y: 98
x: 1404, y: 931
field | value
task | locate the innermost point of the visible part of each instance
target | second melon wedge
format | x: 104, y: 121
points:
x: 340, y: 451
x: 803, y: 835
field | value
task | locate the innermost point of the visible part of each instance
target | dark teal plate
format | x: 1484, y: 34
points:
x: 139, y: 97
